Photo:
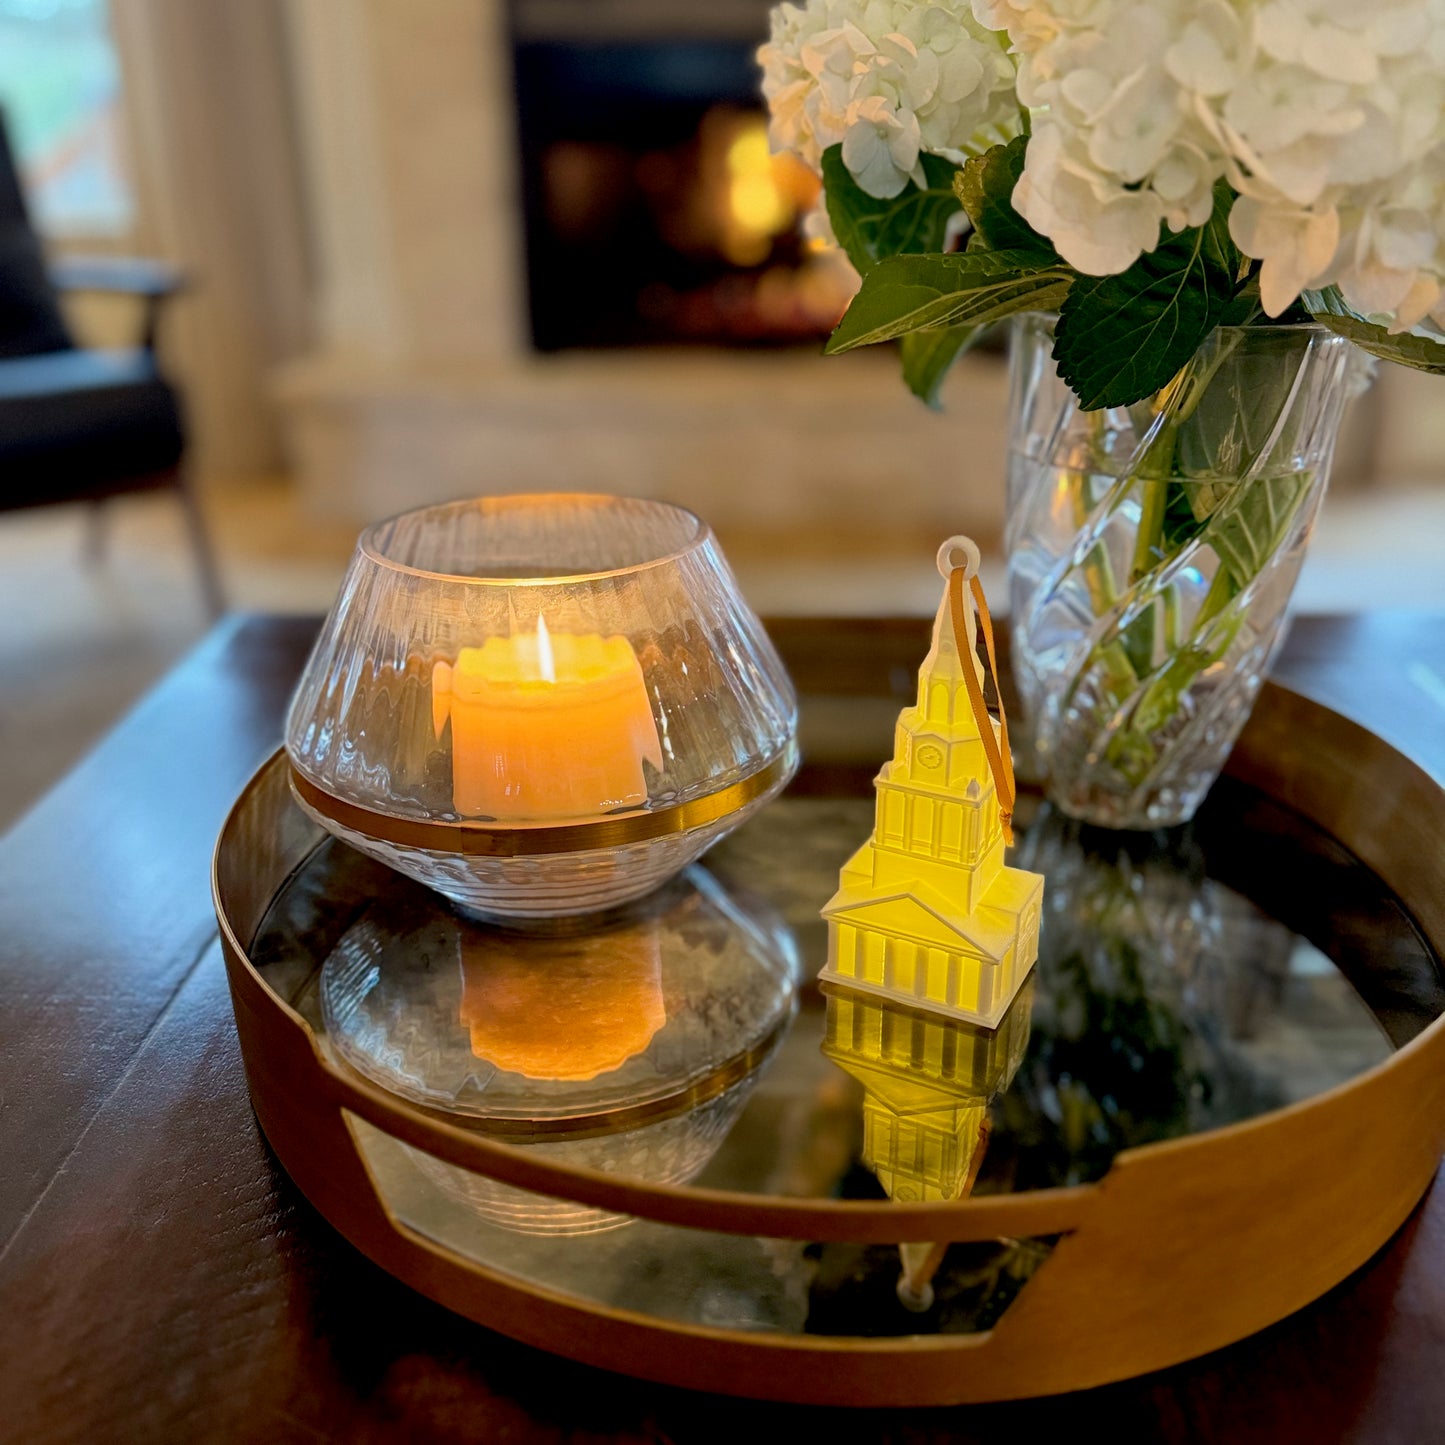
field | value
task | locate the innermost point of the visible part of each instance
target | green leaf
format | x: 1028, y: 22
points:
x: 914, y: 293
x: 1409, y: 348
x: 985, y: 187
x: 1249, y: 530
x: 1245, y: 522
x: 928, y: 355
x: 1220, y: 252
x: 870, y: 230
x: 1121, y: 338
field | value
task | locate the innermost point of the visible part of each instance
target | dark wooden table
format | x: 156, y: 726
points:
x: 161, y: 1279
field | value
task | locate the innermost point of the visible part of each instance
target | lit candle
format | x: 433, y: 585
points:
x: 563, y: 1008
x: 546, y: 727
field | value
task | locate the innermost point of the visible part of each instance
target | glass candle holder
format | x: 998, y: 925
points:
x: 540, y: 705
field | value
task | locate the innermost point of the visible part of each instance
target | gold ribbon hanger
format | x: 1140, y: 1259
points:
x: 996, y: 748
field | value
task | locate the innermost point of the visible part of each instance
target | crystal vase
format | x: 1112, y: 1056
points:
x: 1152, y: 552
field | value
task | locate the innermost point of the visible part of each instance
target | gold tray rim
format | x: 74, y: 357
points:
x: 1295, y: 749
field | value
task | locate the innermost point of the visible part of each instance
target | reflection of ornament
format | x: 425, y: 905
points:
x: 927, y: 1082
x: 927, y: 912
x: 562, y: 1008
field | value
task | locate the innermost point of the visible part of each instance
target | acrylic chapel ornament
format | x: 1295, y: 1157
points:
x: 927, y: 913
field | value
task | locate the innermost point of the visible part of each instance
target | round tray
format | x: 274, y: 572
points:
x: 1167, y: 1250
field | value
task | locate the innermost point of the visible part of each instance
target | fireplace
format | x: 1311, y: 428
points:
x: 512, y: 296
x: 654, y: 212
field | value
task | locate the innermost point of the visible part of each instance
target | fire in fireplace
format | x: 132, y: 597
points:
x: 655, y: 213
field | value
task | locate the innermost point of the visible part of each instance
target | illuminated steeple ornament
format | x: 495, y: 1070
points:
x: 927, y: 913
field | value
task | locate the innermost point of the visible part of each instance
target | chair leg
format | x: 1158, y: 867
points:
x: 200, y: 542
x: 96, y: 532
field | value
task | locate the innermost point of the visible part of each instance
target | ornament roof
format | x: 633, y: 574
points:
x: 922, y: 913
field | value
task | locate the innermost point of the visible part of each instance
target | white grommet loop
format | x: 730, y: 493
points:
x: 959, y: 552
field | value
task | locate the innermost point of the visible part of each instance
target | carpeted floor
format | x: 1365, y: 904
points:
x: 79, y: 643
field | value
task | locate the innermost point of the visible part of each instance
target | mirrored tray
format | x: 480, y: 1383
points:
x: 1225, y: 1050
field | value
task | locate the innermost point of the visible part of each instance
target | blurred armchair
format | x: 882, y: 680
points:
x: 80, y: 424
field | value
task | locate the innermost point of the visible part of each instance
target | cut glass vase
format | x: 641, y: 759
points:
x: 1152, y: 553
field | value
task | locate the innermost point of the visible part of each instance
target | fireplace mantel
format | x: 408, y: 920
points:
x: 424, y: 385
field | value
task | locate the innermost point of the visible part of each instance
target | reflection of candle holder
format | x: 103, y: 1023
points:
x: 631, y: 1047
x: 540, y: 705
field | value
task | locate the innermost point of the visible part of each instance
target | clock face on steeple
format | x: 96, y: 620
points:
x: 928, y: 756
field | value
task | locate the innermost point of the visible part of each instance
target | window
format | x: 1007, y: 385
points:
x: 61, y: 92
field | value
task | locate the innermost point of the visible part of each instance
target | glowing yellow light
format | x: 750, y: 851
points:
x: 928, y: 1081
x: 931, y: 939
x: 757, y: 204
x: 545, y: 727
x: 545, y: 661
x: 563, y: 1008
x: 748, y: 154
x: 758, y: 199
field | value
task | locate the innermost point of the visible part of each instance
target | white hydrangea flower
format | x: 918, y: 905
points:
x: 1061, y: 194
x: 1027, y: 25
x: 889, y: 80
x: 1298, y: 245
x: 1327, y: 117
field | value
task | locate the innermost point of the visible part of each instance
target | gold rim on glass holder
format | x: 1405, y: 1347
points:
x: 499, y: 840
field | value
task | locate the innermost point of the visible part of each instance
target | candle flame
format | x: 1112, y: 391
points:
x: 545, y: 660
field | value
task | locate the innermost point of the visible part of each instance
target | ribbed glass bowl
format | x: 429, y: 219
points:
x: 540, y: 705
